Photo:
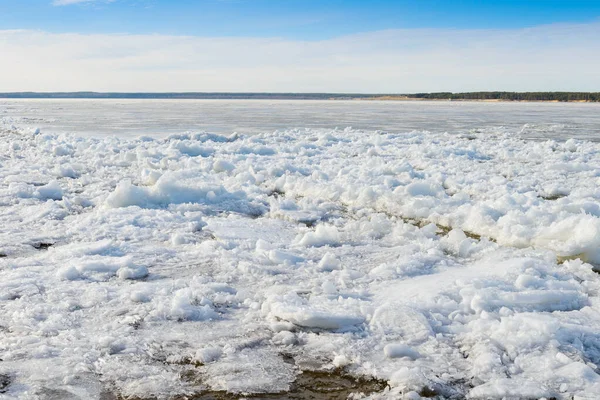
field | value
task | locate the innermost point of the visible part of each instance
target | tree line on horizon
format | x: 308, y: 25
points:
x: 511, y: 96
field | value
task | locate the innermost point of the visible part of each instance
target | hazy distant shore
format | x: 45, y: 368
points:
x: 580, y: 97
x: 406, y: 98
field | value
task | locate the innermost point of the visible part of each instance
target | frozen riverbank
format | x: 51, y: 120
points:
x: 425, y: 260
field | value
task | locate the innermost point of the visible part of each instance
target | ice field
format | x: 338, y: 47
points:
x: 446, y: 250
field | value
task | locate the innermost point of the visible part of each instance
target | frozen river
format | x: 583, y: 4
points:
x: 163, y: 117
x: 193, y: 264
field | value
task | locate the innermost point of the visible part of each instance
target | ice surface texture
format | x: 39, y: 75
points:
x: 455, y: 265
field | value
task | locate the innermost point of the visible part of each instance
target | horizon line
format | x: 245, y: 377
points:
x: 93, y: 92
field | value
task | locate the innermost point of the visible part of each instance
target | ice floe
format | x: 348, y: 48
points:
x: 449, y: 265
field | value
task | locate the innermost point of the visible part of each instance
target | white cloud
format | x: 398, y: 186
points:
x: 67, y: 2
x: 553, y: 57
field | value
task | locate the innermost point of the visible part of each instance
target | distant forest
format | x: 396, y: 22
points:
x: 511, y: 96
x: 506, y: 96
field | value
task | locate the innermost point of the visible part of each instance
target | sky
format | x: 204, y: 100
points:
x: 376, y: 46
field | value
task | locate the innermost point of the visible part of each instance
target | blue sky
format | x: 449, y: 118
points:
x: 294, y: 19
x: 376, y: 46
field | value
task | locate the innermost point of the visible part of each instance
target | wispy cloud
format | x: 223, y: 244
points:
x: 553, y: 57
x: 69, y: 2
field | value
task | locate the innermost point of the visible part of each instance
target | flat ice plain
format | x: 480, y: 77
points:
x: 446, y: 246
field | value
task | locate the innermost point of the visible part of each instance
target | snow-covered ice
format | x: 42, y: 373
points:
x: 156, y: 267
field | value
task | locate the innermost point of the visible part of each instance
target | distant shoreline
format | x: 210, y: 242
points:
x: 411, y: 99
x: 573, y: 97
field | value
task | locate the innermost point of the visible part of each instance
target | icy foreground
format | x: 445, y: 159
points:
x: 158, y: 267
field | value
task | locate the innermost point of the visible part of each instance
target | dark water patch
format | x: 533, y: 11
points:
x: 276, y: 193
x: 475, y: 236
x: 309, y: 223
x: 255, y: 214
x: 444, y: 230
x: 309, y: 385
x: 5, y: 382
x: 136, y: 324
x: 427, y: 392
x: 204, y: 235
x: 553, y: 197
x: 108, y: 395
x: 57, y: 394
x: 42, y: 245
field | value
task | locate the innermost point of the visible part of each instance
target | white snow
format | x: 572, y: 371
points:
x: 329, y: 262
x: 397, y: 350
x: 322, y: 236
x: 460, y: 263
